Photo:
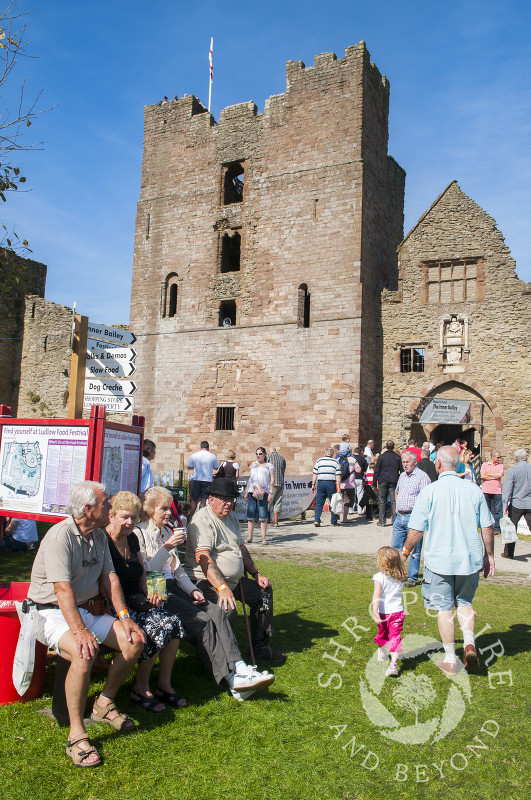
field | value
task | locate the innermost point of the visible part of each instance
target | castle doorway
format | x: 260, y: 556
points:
x: 447, y: 434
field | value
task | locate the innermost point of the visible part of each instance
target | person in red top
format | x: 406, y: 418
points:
x: 491, y: 483
x: 412, y: 448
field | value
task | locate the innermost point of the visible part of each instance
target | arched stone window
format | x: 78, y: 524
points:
x: 303, y: 306
x: 170, y: 295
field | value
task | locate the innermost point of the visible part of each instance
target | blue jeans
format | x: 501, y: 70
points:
x: 495, y: 504
x: 257, y: 510
x: 400, y: 532
x: 325, y: 490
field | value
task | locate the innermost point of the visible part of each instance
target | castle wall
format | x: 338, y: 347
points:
x: 18, y: 276
x: 493, y: 366
x: 45, y: 359
x: 315, y: 212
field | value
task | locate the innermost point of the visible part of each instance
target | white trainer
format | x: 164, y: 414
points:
x: 391, y: 671
x: 250, y: 679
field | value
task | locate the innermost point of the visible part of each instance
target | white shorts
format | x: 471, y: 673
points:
x: 53, y: 626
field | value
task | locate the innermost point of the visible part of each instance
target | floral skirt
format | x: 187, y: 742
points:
x: 160, y: 627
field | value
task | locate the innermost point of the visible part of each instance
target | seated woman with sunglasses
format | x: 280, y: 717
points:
x: 163, y: 628
x: 258, y: 493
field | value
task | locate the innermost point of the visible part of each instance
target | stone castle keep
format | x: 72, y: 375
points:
x: 275, y: 298
x: 262, y: 247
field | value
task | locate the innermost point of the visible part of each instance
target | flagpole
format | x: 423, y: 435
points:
x: 211, y: 72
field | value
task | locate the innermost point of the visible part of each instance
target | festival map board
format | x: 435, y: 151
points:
x: 39, y: 464
x: 41, y: 459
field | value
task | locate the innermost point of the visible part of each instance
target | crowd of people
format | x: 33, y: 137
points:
x: 96, y: 575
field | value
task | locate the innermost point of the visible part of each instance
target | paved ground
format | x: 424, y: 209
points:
x: 360, y: 536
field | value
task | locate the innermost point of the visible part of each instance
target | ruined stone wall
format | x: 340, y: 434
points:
x: 45, y: 360
x: 311, y: 161
x: 18, y: 276
x: 494, y: 365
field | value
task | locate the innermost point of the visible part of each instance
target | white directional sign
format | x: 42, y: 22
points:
x: 108, y: 360
x: 118, y: 405
x: 115, y: 388
x: 116, y: 335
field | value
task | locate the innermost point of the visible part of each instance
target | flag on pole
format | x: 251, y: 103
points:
x: 211, y: 72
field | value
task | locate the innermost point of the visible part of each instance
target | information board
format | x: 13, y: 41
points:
x: 120, y: 460
x: 39, y: 465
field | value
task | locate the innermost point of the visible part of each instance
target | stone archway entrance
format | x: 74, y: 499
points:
x: 484, y: 424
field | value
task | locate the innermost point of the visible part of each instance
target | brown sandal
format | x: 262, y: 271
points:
x: 79, y: 754
x: 119, y: 723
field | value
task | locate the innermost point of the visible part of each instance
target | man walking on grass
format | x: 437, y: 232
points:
x: 449, y: 513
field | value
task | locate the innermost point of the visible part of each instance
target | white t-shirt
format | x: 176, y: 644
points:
x: 391, y: 596
x: 204, y: 463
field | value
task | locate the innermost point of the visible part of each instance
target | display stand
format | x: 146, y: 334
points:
x: 41, y: 459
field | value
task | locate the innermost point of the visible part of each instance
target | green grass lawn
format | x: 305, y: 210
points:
x: 312, y: 735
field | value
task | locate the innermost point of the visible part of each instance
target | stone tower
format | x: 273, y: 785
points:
x: 262, y: 245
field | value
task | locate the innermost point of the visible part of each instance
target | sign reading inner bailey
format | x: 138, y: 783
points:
x: 262, y: 245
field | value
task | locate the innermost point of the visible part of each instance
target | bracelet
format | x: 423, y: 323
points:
x: 406, y: 552
x: 123, y: 614
x: 79, y: 631
x: 222, y: 586
x: 254, y: 574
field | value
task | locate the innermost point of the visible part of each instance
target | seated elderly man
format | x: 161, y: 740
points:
x: 71, y: 575
x: 216, y: 558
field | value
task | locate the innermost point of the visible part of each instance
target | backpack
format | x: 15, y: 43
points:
x: 345, y: 467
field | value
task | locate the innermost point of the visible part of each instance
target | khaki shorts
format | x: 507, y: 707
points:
x: 276, y: 501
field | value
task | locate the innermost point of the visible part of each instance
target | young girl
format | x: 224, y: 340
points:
x: 387, y: 609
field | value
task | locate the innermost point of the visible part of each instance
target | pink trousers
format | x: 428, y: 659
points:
x: 389, y: 630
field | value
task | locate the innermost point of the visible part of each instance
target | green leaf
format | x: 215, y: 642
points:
x: 8, y: 242
x: 28, y: 123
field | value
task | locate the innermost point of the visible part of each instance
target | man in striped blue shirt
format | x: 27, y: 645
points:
x: 327, y: 478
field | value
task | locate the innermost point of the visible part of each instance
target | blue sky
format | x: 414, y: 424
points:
x: 460, y: 109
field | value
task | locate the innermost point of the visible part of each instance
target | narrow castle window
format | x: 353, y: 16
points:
x: 227, y: 313
x: 233, y: 177
x: 230, y: 251
x: 412, y: 359
x: 172, y: 304
x: 170, y: 295
x: 225, y: 418
x: 303, y: 306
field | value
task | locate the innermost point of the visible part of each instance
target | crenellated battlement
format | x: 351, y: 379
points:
x: 333, y: 78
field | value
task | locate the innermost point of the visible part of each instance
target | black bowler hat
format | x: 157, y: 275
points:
x: 223, y: 487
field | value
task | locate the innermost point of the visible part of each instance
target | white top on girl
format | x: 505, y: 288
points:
x: 391, y: 595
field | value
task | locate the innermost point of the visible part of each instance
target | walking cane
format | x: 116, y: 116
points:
x: 247, y: 626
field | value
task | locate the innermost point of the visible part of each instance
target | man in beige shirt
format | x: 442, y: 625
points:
x: 71, y: 574
x: 216, y: 558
